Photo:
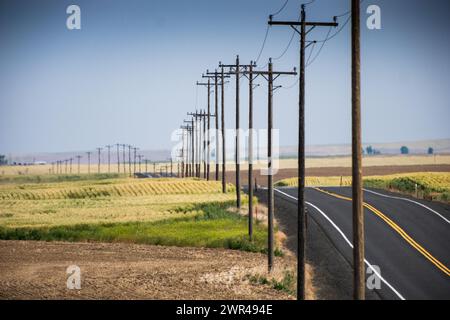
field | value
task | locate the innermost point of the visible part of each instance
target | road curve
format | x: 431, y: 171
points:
x: 409, y: 240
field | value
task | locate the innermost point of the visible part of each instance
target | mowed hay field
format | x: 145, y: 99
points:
x: 106, y: 201
x: 181, y: 212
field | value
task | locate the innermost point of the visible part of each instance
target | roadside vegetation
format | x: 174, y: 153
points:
x: 177, y: 212
x: 430, y: 185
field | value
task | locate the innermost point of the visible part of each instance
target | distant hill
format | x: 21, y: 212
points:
x: 415, y: 147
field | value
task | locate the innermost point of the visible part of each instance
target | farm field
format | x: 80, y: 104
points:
x: 311, y: 162
x: 36, y: 270
x: 95, y: 221
x: 162, y: 211
x: 435, y: 185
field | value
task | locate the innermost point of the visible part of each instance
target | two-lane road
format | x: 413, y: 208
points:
x: 409, y: 240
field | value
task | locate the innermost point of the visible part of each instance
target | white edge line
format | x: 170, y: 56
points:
x: 409, y: 200
x: 346, y: 240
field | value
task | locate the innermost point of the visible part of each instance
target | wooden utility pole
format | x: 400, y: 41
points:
x: 218, y: 83
x: 357, y: 203
x: 301, y: 144
x: 250, y: 149
x: 89, y: 161
x: 118, y: 157
x: 224, y: 156
x: 129, y: 159
x: 195, y: 141
x: 99, y: 159
x: 191, y: 130
x: 70, y: 165
x: 134, y: 160
x: 123, y: 158
x: 182, y: 153
x: 270, y: 76
x: 236, y: 70
x: 109, y: 158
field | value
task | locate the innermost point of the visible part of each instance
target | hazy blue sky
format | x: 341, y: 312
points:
x: 128, y: 75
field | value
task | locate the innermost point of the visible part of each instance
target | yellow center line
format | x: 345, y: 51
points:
x: 398, y: 229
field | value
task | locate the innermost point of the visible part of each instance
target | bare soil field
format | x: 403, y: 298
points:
x: 37, y: 270
x: 337, y: 171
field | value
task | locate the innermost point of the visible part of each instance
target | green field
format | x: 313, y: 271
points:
x: 181, y: 212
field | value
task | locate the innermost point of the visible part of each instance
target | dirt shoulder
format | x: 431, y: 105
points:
x: 37, y: 270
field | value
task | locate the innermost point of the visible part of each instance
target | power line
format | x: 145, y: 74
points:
x: 318, y: 53
x: 310, y: 52
x: 263, y: 44
x: 267, y: 31
x: 281, y: 9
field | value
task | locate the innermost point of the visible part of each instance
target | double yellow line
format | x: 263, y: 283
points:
x: 399, y: 230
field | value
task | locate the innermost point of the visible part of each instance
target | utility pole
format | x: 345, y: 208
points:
x: 182, y: 154
x: 123, y: 158
x: 270, y: 76
x: 89, y: 161
x: 191, y: 129
x: 129, y: 158
x: 109, y: 157
x: 118, y: 157
x: 224, y: 157
x: 301, y: 147
x: 189, y: 148
x: 70, y: 165
x: 134, y: 160
x: 357, y: 195
x: 99, y: 159
x: 236, y: 69
x: 146, y: 165
x: 65, y: 166
x: 78, y: 163
x: 250, y: 149
x: 215, y: 75
x: 171, y: 167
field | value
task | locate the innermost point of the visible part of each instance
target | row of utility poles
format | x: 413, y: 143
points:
x: 195, y: 149
x: 131, y: 164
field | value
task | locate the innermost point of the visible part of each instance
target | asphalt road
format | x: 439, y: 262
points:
x: 408, y: 239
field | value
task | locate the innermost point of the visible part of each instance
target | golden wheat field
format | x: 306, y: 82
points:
x: 104, y: 201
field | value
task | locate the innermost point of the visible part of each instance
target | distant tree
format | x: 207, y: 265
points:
x: 3, y: 160
x: 369, y: 150
x: 404, y: 150
x: 430, y: 150
x: 376, y: 152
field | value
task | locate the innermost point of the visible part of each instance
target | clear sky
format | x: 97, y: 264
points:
x: 129, y: 74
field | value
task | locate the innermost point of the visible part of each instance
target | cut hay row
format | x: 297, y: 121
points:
x: 125, y: 188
